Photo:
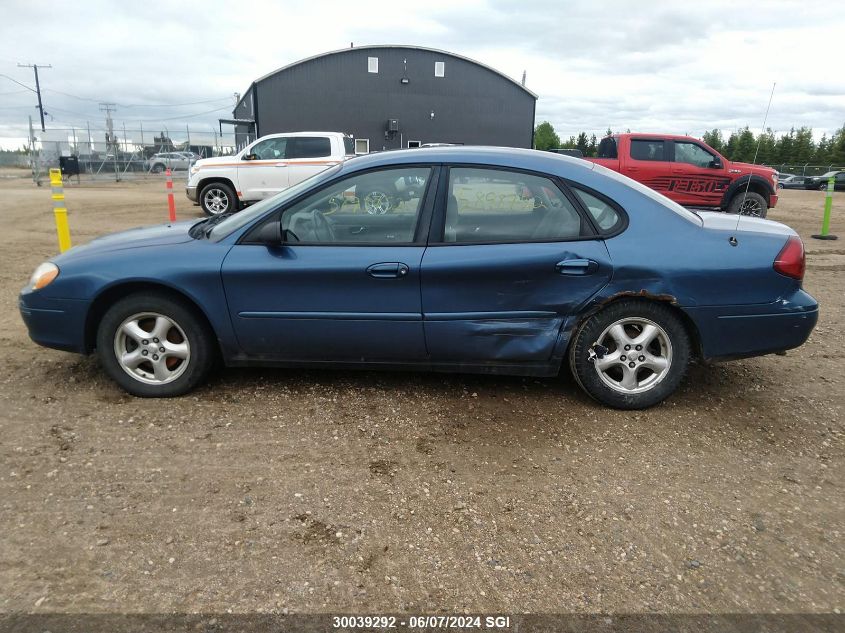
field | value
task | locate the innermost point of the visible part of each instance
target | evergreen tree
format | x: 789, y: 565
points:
x: 715, y: 140
x: 592, y: 148
x: 583, y: 143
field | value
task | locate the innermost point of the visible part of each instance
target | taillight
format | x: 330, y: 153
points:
x: 790, y: 261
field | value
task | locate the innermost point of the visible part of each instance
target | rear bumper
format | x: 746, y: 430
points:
x: 191, y: 192
x: 56, y: 323
x: 729, y: 332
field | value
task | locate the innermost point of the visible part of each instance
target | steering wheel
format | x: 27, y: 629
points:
x: 322, y: 227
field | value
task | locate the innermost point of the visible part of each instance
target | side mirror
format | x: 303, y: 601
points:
x: 250, y: 157
x: 270, y: 234
x: 716, y: 163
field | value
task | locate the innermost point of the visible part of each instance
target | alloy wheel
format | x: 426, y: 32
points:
x: 152, y: 348
x: 751, y: 207
x: 377, y: 203
x: 216, y: 201
x: 632, y: 355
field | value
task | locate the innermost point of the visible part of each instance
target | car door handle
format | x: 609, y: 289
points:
x: 388, y: 270
x: 576, y: 267
x: 633, y: 168
x: 280, y: 165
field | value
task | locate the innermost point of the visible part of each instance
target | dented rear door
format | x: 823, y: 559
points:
x: 506, y: 302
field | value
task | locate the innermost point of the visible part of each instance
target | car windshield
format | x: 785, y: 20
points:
x: 238, y: 220
x: 829, y: 174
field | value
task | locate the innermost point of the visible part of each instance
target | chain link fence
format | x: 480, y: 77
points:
x: 805, y: 170
x: 119, y: 153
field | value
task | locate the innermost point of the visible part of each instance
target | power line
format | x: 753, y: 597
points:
x: 139, y: 105
x: 17, y: 82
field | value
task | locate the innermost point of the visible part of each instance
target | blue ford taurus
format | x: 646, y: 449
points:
x: 461, y: 259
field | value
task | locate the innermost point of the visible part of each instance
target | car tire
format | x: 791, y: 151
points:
x: 132, y: 333
x: 377, y: 202
x: 157, y: 168
x: 822, y: 186
x: 751, y: 204
x: 217, y: 198
x: 598, y: 348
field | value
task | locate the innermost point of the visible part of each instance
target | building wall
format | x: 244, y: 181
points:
x: 335, y: 92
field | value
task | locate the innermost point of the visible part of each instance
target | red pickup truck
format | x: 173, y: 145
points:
x: 690, y: 172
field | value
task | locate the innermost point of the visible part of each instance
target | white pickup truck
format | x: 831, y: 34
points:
x: 264, y: 168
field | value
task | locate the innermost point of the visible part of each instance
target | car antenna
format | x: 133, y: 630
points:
x: 733, y: 241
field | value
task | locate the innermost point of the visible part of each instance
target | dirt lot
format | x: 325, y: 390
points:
x: 329, y: 491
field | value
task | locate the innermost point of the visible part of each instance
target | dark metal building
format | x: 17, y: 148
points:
x: 389, y: 97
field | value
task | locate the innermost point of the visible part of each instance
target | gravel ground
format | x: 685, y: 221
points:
x: 302, y: 492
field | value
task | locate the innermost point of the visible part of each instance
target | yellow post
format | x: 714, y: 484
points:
x: 59, y: 210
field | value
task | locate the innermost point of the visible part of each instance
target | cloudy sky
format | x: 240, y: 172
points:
x: 675, y: 67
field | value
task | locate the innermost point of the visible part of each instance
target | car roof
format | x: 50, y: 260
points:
x: 529, y: 159
x: 285, y: 134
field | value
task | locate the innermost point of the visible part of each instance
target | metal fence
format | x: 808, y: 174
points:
x: 805, y: 170
x: 117, y: 152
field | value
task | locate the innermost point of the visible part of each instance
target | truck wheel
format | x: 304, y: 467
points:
x: 751, y: 204
x: 218, y: 198
x: 154, y: 346
x: 631, y: 355
x: 377, y: 202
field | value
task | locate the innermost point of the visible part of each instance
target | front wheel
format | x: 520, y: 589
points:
x: 631, y: 355
x: 218, y: 198
x: 154, y: 345
x: 823, y: 186
x: 751, y: 204
x: 377, y: 202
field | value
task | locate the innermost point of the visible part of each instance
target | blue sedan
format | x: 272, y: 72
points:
x: 487, y: 260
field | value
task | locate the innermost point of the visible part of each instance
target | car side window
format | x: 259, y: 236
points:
x: 310, y: 147
x: 376, y: 207
x: 693, y: 154
x: 606, y: 217
x: 270, y: 149
x: 642, y: 149
x: 492, y: 205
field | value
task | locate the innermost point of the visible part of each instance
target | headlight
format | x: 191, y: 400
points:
x: 43, y: 275
x: 194, y: 170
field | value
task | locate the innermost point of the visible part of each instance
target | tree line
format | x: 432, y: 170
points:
x: 795, y: 147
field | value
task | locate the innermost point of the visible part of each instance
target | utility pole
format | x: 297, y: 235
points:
x: 35, y: 67
x: 108, y: 108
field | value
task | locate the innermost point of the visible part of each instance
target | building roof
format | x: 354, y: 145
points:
x: 386, y: 46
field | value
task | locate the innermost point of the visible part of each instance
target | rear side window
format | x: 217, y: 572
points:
x: 491, y: 205
x: 647, y: 150
x: 310, y: 147
x: 607, y: 148
x: 348, y: 146
x: 607, y: 219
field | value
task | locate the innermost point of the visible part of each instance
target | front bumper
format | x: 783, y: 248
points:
x: 191, y: 192
x: 56, y: 323
x: 729, y: 332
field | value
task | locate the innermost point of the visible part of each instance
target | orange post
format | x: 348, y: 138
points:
x: 171, y: 202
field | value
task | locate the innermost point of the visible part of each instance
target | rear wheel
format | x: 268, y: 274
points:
x: 751, y: 204
x: 157, y: 168
x: 154, y: 346
x: 217, y: 198
x: 631, y: 355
